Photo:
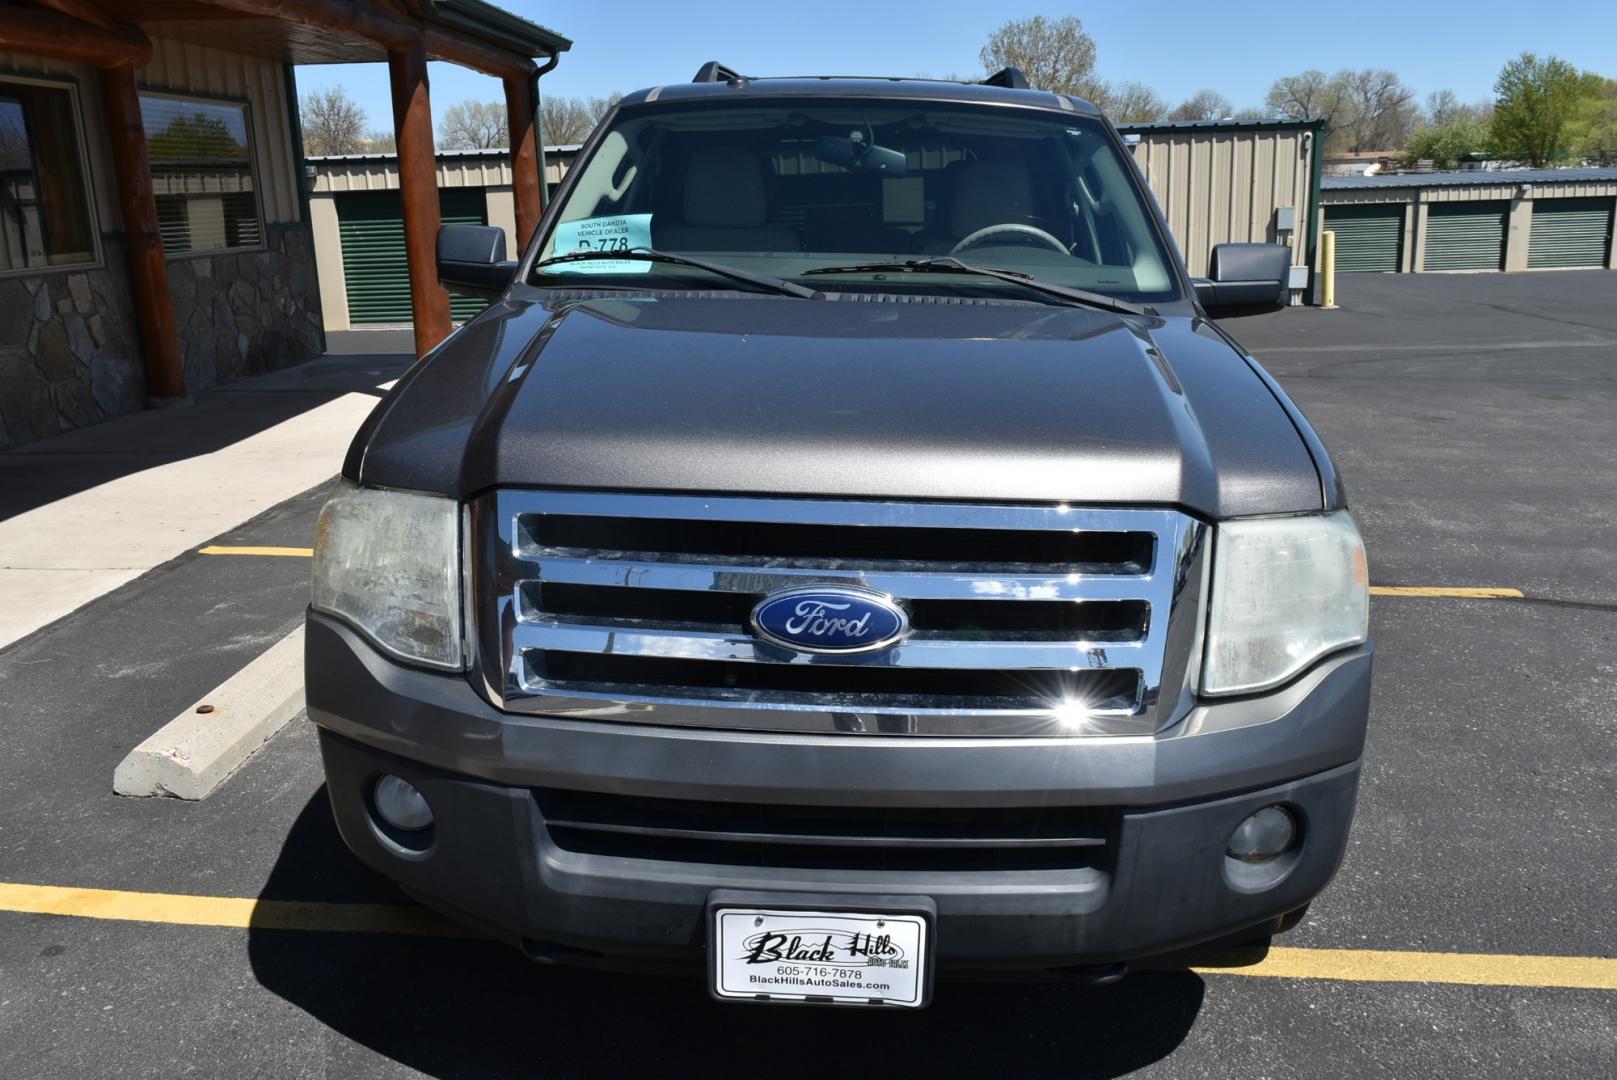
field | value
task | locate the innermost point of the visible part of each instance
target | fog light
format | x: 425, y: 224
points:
x: 400, y: 805
x: 1265, y: 836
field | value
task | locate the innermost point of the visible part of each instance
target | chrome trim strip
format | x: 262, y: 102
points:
x: 1010, y: 518
x: 904, y: 584
x: 914, y: 653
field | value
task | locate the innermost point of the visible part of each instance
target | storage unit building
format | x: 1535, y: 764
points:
x: 1473, y: 220
x: 357, y: 215
x: 1222, y: 181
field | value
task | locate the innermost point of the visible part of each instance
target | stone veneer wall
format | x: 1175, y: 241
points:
x: 69, y: 349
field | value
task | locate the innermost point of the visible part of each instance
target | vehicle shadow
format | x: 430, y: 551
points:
x: 47, y: 470
x: 472, y: 1008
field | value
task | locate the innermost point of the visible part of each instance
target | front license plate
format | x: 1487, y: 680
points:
x: 830, y: 958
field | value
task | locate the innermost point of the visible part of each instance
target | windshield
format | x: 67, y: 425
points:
x: 784, y: 188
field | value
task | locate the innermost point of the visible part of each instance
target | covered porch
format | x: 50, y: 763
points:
x: 104, y: 226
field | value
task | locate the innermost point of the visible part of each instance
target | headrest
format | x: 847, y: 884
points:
x: 724, y: 188
x: 990, y: 193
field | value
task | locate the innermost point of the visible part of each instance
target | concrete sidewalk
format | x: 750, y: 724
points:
x: 90, y: 510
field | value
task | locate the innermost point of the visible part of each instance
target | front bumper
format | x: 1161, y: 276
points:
x: 1161, y: 886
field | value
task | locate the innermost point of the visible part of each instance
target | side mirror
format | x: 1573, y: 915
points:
x: 1244, y: 279
x: 471, y: 259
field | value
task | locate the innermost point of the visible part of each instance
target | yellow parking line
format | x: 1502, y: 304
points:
x: 1453, y: 594
x: 1463, y: 969
x: 289, y: 552
x: 1343, y: 965
x: 234, y: 911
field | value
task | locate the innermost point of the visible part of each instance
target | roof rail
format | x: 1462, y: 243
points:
x: 713, y: 71
x: 1010, y: 78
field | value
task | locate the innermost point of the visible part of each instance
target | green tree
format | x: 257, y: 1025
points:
x: 195, y: 138
x: 1538, y: 101
x: 1592, y: 131
x: 1309, y: 95
x: 1054, y: 54
x: 1445, y: 145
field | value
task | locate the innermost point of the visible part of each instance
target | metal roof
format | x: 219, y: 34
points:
x: 497, y: 25
x: 1472, y: 177
x: 1227, y: 124
x: 451, y: 155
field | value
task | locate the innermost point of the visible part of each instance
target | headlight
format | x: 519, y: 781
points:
x: 386, y: 562
x: 1285, y: 592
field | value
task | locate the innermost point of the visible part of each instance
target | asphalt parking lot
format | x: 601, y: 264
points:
x: 1475, y: 420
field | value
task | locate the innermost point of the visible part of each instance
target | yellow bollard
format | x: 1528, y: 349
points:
x: 1327, y: 249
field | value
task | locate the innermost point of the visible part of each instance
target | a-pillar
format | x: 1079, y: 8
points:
x: 418, y: 191
x: 148, y: 267
x: 525, y: 184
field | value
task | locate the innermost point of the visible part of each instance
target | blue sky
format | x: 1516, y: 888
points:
x: 1176, y: 47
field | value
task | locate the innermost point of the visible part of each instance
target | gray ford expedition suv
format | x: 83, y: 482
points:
x: 845, y: 550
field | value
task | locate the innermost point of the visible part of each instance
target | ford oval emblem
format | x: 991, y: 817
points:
x: 830, y: 619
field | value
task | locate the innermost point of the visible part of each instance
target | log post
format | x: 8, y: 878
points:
x: 418, y: 191
x: 148, y: 266
x: 526, y: 183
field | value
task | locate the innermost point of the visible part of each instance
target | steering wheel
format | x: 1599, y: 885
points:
x: 1015, y: 229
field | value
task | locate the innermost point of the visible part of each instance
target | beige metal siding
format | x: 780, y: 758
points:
x: 1222, y: 186
x: 1341, y: 196
x: 1468, y: 193
x: 181, y: 67
x: 382, y: 174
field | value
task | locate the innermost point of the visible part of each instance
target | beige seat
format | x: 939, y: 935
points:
x: 724, y: 206
x: 987, y: 193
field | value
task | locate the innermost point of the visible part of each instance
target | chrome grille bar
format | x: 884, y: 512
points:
x: 916, y: 652
x: 916, y: 584
x: 609, y: 659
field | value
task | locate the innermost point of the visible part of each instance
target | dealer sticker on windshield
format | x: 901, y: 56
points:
x: 811, y: 956
x: 618, y: 233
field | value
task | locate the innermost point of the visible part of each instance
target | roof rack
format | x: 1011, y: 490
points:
x: 1010, y: 78
x: 713, y: 71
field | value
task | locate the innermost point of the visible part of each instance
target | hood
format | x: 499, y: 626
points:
x: 853, y: 397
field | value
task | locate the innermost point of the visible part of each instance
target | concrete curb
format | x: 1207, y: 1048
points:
x: 193, y: 753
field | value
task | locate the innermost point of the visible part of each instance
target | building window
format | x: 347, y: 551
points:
x: 202, y: 173
x: 44, y: 203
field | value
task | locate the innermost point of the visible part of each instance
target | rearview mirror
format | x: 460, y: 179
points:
x: 471, y: 259
x: 855, y: 153
x: 1244, y: 279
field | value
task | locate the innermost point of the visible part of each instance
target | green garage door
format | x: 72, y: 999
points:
x: 1369, y: 236
x: 378, y: 278
x: 1570, y: 233
x: 1465, y: 236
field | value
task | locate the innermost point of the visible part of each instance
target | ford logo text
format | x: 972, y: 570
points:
x: 829, y: 619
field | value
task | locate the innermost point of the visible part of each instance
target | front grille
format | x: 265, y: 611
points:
x: 1023, y: 619
x: 869, y: 839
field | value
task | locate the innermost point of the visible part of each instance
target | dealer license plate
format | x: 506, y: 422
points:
x: 820, y: 957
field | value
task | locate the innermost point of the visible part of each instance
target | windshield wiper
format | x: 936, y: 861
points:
x: 948, y: 264
x: 645, y: 254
